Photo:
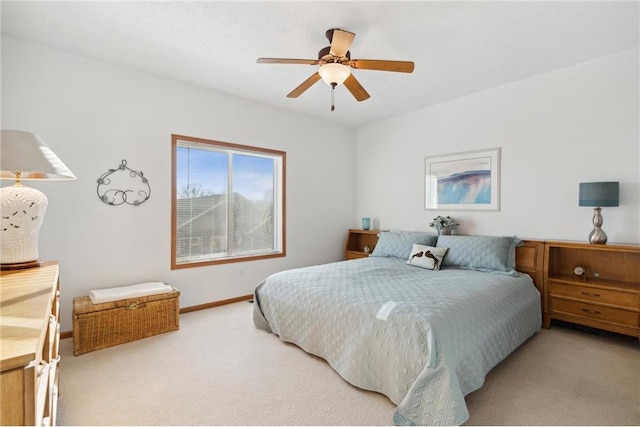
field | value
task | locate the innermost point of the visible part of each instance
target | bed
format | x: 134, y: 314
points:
x: 423, y: 335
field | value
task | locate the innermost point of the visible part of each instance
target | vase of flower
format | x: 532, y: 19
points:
x: 443, y: 224
x: 444, y: 231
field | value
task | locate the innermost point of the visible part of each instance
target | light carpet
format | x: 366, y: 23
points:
x: 219, y: 370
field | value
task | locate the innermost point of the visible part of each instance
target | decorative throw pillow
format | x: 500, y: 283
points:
x: 427, y: 256
x: 482, y: 253
x: 398, y: 243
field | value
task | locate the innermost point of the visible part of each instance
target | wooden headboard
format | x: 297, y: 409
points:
x: 530, y: 259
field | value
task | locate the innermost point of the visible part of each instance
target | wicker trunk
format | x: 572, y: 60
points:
x: 97, y: 326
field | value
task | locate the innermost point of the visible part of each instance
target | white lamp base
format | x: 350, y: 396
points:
x: 22, y: 210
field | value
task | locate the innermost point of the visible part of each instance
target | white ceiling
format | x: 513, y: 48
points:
x: 459, y: 47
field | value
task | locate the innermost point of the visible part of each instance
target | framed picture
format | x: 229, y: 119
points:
x: 463, y: 181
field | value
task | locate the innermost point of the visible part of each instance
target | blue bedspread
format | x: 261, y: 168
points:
x: 423, y: 338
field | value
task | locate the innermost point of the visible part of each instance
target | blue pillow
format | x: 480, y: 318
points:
x: 482, y: 253
x: 399, y: 243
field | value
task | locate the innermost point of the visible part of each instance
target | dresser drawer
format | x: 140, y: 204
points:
x: 48, y: 351
x: 42, y: 387
x: 596, y: 312
x: 605, y: 296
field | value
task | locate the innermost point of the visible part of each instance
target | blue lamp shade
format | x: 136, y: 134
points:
x: 598, y: 194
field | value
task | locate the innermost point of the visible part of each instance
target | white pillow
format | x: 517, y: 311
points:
x: 426, y: 256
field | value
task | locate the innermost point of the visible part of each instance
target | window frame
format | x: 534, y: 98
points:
x: 174, y: 201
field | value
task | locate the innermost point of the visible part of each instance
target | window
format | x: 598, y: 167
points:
x: 228, y: 202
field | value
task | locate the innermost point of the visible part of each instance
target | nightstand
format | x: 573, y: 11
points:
x: 357, y: 240
x: 605, y: 296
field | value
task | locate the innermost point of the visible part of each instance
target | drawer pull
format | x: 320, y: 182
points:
x: 590, y: 295
x: 586, y: 310
x: 135, y: 306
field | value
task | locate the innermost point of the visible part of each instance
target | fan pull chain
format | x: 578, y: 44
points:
x: 333, y: 87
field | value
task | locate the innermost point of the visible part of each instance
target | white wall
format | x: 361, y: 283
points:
x: 93, y: 115
x: 577, y: 124
x: 573, y: 125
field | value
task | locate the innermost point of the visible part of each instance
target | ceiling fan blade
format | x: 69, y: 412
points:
x: 381, y: 65
x: 287, y: 61
x: 356, y: 88
x: 340, y: 42
x: 304, y: 86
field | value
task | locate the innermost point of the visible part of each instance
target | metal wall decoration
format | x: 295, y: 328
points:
x: 123, y: 187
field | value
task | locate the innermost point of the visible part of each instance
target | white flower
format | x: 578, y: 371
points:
x: 441, y: 222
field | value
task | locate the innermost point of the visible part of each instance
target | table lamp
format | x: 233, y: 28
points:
x: 598, y: 194
x: 24, y: 156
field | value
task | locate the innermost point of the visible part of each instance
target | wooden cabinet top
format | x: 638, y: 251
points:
x: 595, y: 247
x: 25, y: 308
x: 361, y: 231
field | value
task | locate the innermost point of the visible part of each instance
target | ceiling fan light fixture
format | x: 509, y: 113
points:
x: 334, y: 73
x: 335, y: 66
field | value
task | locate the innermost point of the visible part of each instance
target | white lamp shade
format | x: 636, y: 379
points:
x: 25, y: 152
x: 334, y: 73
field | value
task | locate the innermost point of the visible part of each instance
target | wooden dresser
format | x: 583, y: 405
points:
x: 29, y: 338
x: 605, y: 296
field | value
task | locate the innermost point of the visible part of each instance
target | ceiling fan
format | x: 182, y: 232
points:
x: 335, y: 66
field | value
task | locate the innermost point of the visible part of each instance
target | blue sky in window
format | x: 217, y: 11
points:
x: 253, y: 175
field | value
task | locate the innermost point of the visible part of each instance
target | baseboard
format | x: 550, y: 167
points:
x: 69, y: 334
x: 215, y: 304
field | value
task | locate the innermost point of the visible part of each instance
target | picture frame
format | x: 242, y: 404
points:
x: 468, y: 180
